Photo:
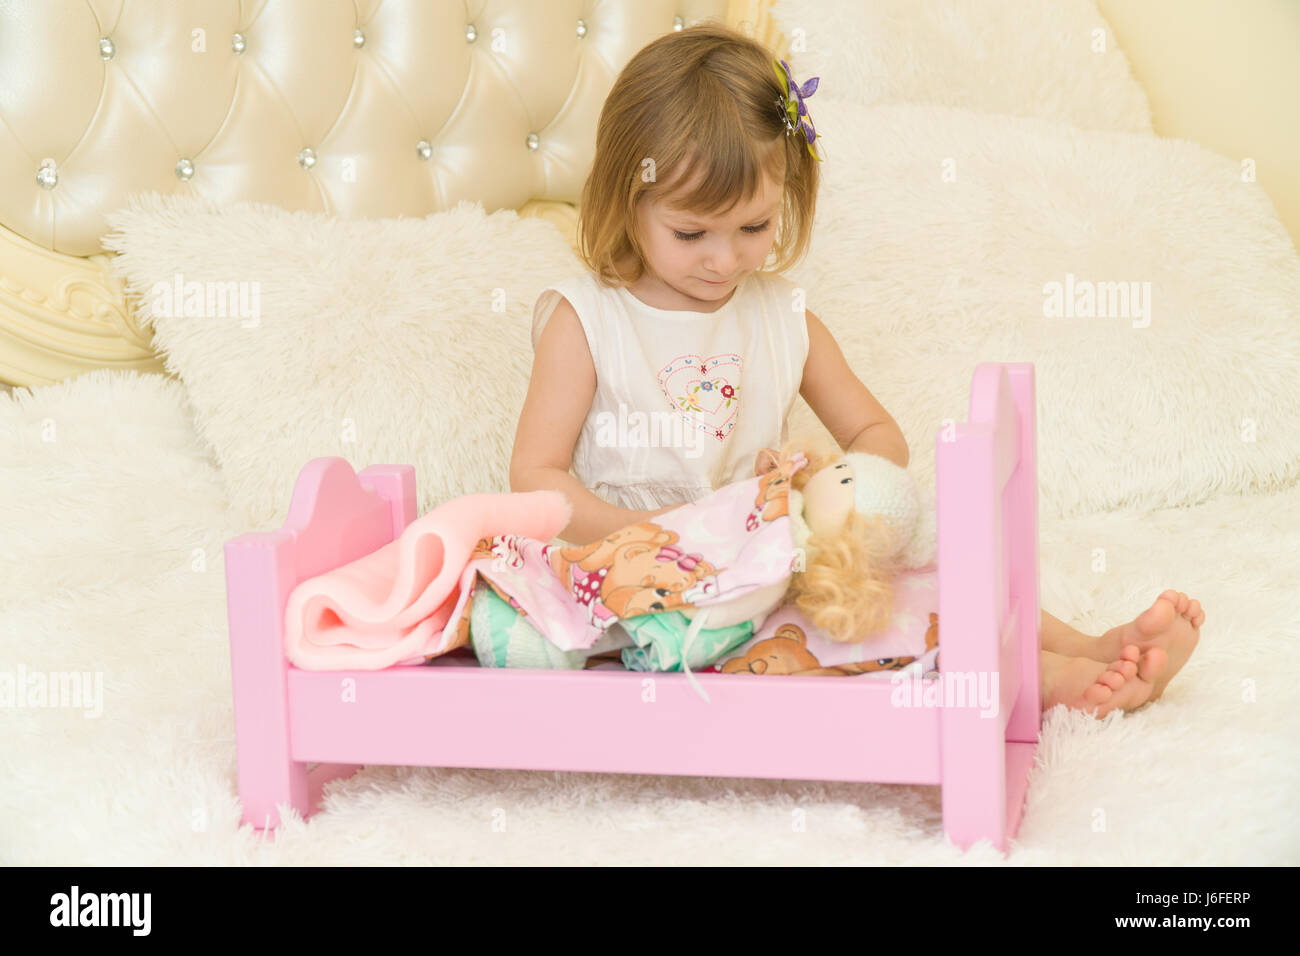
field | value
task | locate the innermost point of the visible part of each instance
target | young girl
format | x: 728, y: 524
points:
x: 662, y: 373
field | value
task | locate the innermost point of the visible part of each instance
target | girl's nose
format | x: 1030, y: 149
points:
x: 722, y: 264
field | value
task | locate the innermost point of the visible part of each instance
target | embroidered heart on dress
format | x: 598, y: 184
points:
x: 705, y: 390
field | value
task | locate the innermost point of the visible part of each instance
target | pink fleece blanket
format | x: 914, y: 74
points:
x: 391, y: 607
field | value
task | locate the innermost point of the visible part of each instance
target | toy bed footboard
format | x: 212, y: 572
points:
x: 972, y: 731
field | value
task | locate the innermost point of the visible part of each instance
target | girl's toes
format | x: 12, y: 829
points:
x: 1153, y: 663
x: 1097, y: 694
x: 1117, y: 674
x: 1157, y: 618
x: 1111, y: 679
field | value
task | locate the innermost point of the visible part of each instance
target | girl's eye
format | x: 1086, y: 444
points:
x: 753, y: 230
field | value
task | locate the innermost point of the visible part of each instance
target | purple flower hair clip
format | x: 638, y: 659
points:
x: 794, y: 112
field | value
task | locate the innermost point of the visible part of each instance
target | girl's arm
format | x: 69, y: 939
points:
x: 593, y: 517
x: 845, y: 406
x: 560, y: 393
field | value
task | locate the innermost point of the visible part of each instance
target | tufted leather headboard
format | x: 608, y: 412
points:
x: 358, y: 108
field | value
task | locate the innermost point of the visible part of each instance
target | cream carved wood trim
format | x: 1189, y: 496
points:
x: 62, y: 316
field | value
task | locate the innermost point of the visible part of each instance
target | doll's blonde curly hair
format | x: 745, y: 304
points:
x: 846, y: 585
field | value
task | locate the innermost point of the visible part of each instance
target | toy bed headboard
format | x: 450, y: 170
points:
x: 360, y: 108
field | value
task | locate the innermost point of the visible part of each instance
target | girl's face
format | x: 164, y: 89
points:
x: 702, y: 259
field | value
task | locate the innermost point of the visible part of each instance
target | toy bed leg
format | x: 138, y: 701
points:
x: 986, y: 476
x: 335, y: 517
x: 257, y: 569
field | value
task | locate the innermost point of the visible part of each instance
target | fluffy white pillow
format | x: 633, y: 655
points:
x: 1054, y: 60
x: 939, y: 236
x: 383, y: 341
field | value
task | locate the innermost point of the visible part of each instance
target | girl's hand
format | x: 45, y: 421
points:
x: 765, y: 461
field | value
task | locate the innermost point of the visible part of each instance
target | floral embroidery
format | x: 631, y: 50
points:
x: 705, y: 390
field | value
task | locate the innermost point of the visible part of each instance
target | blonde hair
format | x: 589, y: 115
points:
x: 846, y: 586
x: 692, y: 121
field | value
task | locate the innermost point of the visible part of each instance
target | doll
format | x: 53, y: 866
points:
x: 858, y: 520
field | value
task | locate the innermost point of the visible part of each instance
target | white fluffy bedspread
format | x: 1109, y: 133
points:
x: 111, y: 563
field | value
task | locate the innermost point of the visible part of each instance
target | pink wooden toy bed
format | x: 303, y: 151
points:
x: 287, y: 718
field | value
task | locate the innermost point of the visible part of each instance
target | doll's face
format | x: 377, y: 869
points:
x: 828, y: 498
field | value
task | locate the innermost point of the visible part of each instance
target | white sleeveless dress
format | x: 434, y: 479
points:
x: 682, y: 396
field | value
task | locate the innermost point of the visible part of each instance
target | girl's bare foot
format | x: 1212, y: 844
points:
x: 1089, y: 685
x: 1172, y: 623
